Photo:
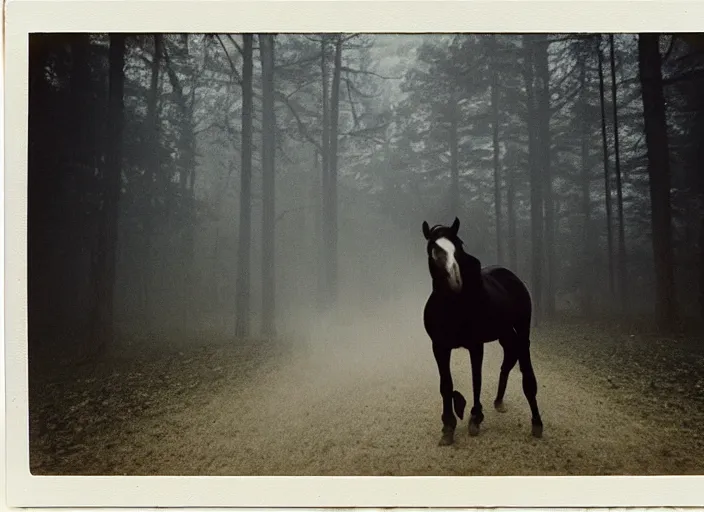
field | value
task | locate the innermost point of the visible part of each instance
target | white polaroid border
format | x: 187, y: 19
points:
x: 26, y: 16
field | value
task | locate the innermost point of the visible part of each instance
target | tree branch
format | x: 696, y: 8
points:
x: 371, y: 129
x: 207, y: 128
x: 363, y: 95
x: 564, y: 100
x: 372, y: 73
x: 305, y: 60
x: 291, y: 210
x: 239, y: 48
x: 301, y: 126
x: 696, y: 74
x: 302, y: 86
x: 354, y: 112
x: 232, y: 64
x: 349, y: 38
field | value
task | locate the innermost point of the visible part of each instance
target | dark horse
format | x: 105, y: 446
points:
x: 470, y: 306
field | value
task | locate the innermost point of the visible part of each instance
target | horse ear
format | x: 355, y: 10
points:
x: 455, y: 226
x: 426, y: 230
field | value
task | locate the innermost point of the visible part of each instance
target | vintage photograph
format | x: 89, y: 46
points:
x: 365, y: 254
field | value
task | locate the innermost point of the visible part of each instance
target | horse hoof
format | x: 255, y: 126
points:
x: 473, y: 429
x: 500, y: 407
x: 537, y: 431
x: 446, y: 440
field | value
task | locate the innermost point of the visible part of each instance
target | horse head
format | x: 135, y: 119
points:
x: 444, y: 247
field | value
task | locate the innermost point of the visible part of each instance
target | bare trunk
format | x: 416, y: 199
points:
x: 325, y: 169
x: 454, y: 157
x: 698, y: 185
x: 186, y: 165
x: 103, y: 313
x: 656, y: 139
x: 536, y: 188
x: 587, y: 271
x: 152, y: 170
x: 190, y: 200
x: 188, y: 246
x: 316, y: 203
x: 607, y: 176
x: 82, y: 163
x: 266, y: 46
x: 622, y: 267
x: 82, y: 160
x: 244, y: 249
x: 332, y: 257
x: 543, y: 117
x: 497, y: 163
x: 701, y: 271
x: 511, y: 214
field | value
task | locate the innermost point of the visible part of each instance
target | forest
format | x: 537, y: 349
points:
x: 228, y: 192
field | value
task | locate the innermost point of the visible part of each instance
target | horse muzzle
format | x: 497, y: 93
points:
x: 454, y: 278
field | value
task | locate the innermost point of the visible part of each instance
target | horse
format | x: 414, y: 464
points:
x: 468, y: 307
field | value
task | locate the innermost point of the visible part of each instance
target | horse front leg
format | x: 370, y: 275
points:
x: 449, y: 422
x: 476, y: 356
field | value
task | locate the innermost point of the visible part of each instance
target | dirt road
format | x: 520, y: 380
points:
x: 369, y: 404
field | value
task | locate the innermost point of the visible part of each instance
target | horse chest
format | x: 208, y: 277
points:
x: 460, y: 325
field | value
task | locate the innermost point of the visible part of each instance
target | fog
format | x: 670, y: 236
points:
x: 219, y: 190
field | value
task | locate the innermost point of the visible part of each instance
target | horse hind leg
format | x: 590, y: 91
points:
x: 530, y: 385
x: 510, y: 360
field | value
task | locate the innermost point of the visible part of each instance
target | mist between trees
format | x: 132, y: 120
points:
x: 254, y: 184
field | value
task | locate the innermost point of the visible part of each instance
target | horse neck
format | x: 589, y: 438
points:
x: 471, y: 271
x: 472, y: 289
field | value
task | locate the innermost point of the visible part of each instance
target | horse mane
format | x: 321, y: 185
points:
x: 471, y: 269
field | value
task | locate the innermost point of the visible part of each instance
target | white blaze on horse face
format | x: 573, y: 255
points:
x: 446, y: 257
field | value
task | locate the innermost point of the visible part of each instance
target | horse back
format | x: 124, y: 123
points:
x: 506, y: 291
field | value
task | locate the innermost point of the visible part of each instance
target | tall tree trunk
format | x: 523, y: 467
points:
x: 242, y: 306
x: 607, y: 174
x: 511, y: 219
x: 543, y: 115
x: 323, y: 301
x: 102, y: 321
x: 186, y: 165
x: 622, y: 267
x: 266, y: 52
x: 41, y: 188
x: 495, y: 137
x: 536, y: 188
x: 189, y: 197
x: 649, y: 63
x: 81, y: 145
x: 332, y: 217
x: 587, y: 263
x: 698, y: 185
x: 83, y: 159
x: 317, y: 208
x: 701, y: 267
x: 454, y: 160
x: 152, y: 170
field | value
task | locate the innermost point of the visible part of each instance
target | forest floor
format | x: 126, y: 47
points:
x: 367, y: 403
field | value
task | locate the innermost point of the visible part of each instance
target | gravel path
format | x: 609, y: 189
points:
x: 365, y: 403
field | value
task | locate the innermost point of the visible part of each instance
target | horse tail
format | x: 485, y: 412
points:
x: 459, y: 403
